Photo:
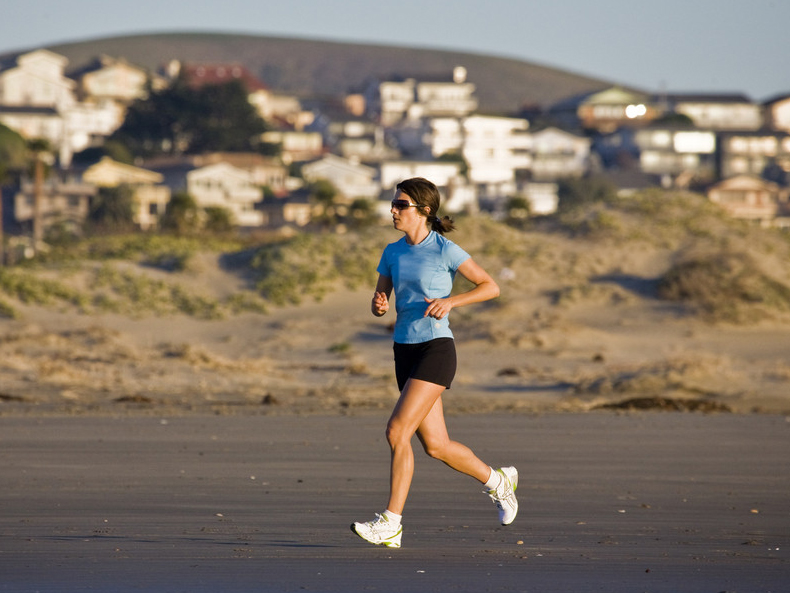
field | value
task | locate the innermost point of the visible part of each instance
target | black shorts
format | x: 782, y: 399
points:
x: 433, y: 361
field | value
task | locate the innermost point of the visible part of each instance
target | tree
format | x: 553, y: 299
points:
x: 182, y: 214
x: 218, y: 219
x: 183, y: 120
x: 113, y: 208
x: 324, y: 195
x: 576, y: 192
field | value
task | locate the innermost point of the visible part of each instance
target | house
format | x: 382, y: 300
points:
x: 294, y: 209
x: 749, y: 197
x: 351, y: 136
x: 39, y: 101
x: 265, y: 171
x: 215, y: 185
x: 776, y: 112
x: 222, y: 185
x: 149, y: 195
x: 495, y: 149
x: 557, y: 154
x: 753, y: 153
x: 714, y: 111
x: 295, y: 146
x: 677, y: 152
x: 605, y: 111
x: 352, y: 179
x: 403, y: 98
x: 62, y: 202
x: 114, y: 79
x: 36, y: 79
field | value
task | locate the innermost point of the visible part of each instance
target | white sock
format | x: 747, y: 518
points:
x: 493, y: 479
x: 392, y: 517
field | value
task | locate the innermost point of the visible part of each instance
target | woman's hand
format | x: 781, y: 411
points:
x: 380, y: 304
x: 438, y: 308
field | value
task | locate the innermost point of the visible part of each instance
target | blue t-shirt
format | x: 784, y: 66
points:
x: 419, y: 271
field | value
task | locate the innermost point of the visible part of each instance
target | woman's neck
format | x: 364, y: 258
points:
x: 417, y: 236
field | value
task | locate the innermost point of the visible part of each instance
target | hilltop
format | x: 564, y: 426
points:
x: 307, y: 67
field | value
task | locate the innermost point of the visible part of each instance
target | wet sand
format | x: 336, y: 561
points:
x: 613, y: 502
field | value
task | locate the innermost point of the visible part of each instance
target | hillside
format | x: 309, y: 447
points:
x: 319, y: 68
x: 657, y: 301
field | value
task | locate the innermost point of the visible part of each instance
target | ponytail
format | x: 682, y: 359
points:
x: 442, y: 225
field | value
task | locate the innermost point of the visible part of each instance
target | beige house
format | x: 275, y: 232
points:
x: 606, y: 110
x: 115, y: 79
x: 149, y: 195
x: 749, y: 197
x: 777, y: 113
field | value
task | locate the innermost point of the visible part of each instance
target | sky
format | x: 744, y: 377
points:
x: 700, y: 46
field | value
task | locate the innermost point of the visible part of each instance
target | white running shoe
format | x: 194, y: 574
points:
x: 379, y: 531
x: 504, y: 495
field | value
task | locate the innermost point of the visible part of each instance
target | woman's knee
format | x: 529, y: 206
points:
x: 396, y: 434
x: 435, y: 449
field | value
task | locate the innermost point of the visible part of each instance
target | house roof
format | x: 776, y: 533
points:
x: 28, y: 110
x: 201, y: 74
x: 703, y: 98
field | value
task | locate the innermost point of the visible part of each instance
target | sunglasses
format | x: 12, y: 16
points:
x: 402, y: 204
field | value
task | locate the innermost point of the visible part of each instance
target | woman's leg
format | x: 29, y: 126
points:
x: 436, y: 442
x: 416, y: 401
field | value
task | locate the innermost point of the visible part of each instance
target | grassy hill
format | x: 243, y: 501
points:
x: 319, y: 68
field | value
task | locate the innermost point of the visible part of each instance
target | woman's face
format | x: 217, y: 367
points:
x: 408, y: 218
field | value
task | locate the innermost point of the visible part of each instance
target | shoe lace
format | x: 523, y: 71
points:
x: 506, y: 492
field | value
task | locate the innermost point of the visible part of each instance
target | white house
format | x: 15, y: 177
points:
x: 557, y: 154
x: 667, y: 150
x: 224, y: 186
x: 392, y: 101
x: 37, y: 79
x: 495, y: 148
x: 351, y: 178
x: 38, y: 101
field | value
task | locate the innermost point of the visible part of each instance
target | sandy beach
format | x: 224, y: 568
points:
x: 147, y: 449
x: 614, y: 502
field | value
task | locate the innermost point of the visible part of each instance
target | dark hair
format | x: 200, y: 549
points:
x: 425, y: 194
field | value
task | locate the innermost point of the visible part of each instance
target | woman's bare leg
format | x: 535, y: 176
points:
x: 416, y: 401
x: 437, y: 443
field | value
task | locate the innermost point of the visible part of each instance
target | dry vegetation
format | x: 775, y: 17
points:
x: 658, y: 298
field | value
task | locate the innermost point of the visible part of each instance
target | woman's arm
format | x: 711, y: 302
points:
x: 380, y: 304
x: 484, y: 290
